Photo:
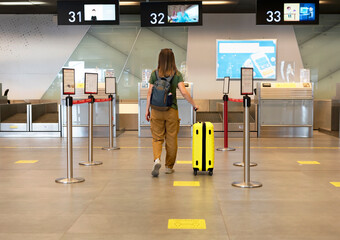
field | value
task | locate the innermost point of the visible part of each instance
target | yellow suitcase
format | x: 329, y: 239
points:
x: 203, y: 147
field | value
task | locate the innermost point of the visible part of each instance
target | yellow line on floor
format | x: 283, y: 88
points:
x: 184, y: 162
x: 26, y: 161
x: 186, y: 224
x: 186, y: 183
x: 335, y: 184
x: 308, y: 162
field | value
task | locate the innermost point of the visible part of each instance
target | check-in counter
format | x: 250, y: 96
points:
x: 45, y: 117
x: 14, y: 117
x: 285, y: 109
x: 326, y: 115
x: 30, y: 120
x: 185, y: 112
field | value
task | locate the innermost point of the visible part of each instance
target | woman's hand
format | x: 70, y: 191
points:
x: 196, y: 107
x: 147, y: 115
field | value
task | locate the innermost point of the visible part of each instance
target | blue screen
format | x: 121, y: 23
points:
x: 257, y: 54
x: 307, y: 12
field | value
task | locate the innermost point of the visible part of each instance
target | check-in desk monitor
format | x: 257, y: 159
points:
x: 285, y: 109
x: 185, y: 112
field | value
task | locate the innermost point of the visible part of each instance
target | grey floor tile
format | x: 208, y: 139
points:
x: 147, y: 223
x: 288, y: 226
x: 35, y: 223
x: 169, y: 235
x: 30, y: 236
x: 120, y: 199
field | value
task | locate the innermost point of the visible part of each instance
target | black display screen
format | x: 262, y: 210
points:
x: 88, y: 12
x: 289, y: 12
x: 156, y: 14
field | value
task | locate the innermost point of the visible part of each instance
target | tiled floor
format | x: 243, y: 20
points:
x: 120, y: 200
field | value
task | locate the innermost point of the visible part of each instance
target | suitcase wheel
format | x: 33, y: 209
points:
x: 211, y: 172
x: 195, y: 171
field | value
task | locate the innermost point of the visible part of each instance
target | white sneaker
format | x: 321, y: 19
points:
x: 169, y: 170
x: 156, y: 166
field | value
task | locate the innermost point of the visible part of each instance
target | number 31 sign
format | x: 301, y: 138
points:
x: 99, y: 12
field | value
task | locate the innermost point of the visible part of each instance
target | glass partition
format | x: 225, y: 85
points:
x: 320, y: 51
x: 123, y: 51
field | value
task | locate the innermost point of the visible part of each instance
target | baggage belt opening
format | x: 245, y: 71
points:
x: 45, y: 117
x: 14, y: 117
x: 235, y: 117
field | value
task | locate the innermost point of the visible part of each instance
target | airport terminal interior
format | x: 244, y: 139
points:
x: 76, y: 150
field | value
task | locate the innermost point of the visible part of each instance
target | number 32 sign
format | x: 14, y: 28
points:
x: 153, y: 14
x: 157, y: 18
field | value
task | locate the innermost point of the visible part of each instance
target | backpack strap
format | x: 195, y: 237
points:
x: 156, y: 72
x: 168, y: 79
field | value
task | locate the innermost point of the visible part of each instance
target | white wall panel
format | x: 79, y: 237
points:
x: 33, y: 49
x: 201, y: 53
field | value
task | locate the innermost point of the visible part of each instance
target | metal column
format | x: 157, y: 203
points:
x: 225, y: 121
x: 246, y: 149
x: 111, y: 147
x: 246, y: 102
x: 69, y: 179
x: 90, y: 161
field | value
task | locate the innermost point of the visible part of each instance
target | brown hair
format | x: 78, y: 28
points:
x: 166, y: 63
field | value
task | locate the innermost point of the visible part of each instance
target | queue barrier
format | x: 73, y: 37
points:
x: 90, y: 161
x: 110, y: 147
x: 69, y: 179
x: 235, y: 100
x: 82, y: 101
x: 241, y: 164
x: 225, y: 121
x: 69, y: 102
x: 104, y: 100
x: 246, y: 149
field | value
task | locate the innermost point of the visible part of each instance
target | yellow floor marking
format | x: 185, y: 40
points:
x: 186, y: 224
x: 186, y: 183
x: 26, y: 161
x: 308, y: 162
x: 184, y: 162
x: 335, y: 184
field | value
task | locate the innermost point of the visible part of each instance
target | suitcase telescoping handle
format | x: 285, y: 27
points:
x: 195, y: 109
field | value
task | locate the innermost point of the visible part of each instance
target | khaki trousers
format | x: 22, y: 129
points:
x: 165, y: 126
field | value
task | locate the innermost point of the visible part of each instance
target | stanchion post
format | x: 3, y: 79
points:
x: 90, y: 161
x: 246, y: 149
x: 225, y: 121
x: 69, y: 179
x: 246, y: 108
x: 111, y: 147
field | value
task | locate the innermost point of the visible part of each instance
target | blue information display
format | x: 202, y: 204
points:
x: 299, y: 12
x: 257, y: 54
x: 287, y: 12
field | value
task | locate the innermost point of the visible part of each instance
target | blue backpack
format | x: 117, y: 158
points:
x: 161, y: 97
